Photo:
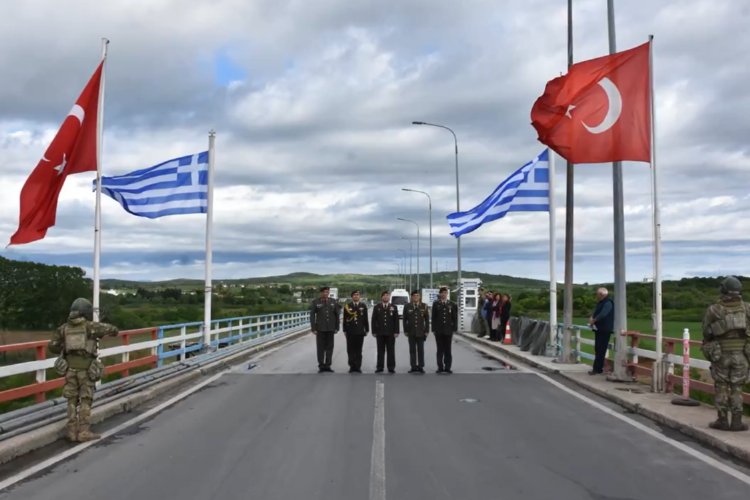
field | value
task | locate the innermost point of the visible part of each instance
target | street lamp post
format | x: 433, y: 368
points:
x: 429, y: 210
x: 411, y: 251
x: 403, y: 266
x: 458, y: 204
x: 416, y: 224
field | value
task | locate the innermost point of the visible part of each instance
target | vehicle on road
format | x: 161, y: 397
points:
x: 399, y: 298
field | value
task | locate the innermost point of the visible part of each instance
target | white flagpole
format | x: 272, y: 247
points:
x: 657, y: 374
x: 552, y: 252
x: 209, y: 253
x: 98, y: 209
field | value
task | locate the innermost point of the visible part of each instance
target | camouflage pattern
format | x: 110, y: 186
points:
x: 726, y: 330
x: 729, y: 374
x: 80, y: 378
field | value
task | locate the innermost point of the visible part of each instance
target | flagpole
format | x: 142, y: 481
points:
x: 98, y: 203
x: 658, y: 378
x: 621, y: 303
x: 207, y: 290
x: 552, y: 251
x: 569, y: 219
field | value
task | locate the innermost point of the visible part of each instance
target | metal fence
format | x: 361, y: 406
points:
x: 150, y: 347
x: 640, y: 361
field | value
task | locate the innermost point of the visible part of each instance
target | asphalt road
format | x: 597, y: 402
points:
x: 282, y: 431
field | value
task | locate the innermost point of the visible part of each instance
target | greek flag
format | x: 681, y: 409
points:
x: 178, y: 186
x: 526, y: 190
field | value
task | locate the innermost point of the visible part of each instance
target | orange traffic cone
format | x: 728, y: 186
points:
x: 507, y: 339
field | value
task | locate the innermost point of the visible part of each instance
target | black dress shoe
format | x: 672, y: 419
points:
x: 329, y: 370
x: 391, y: 370
x: 414, y: 370
x: 379, y: 370
x: 357, y: 370
x: 439, y: 370
x: 592, y: 372
x: 321, y: 370
x: 352, y: 370
x: 421, y: 370
x: 448, y: 371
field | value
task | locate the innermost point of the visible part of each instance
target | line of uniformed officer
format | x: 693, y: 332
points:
x: 324, y: 321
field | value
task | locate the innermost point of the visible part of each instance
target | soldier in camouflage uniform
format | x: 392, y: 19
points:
x: 78, y: 343
x: 726, y: 327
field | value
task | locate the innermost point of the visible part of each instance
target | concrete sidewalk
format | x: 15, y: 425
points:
x: 638, y: 398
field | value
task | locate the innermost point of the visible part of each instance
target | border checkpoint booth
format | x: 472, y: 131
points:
x: 468, y: 295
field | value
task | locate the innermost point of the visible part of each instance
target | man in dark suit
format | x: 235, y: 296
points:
x: 602, y: 321
x: 416, y: 328
x: 356, y: 327
x: 324, y: 323
x: 444, y: 325
x: 385, y: 329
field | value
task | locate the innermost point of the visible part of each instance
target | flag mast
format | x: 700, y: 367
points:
x: 207, y: 291
x: 552, y: 251
x: 569, y: 219
x: 98, y: 209
x: 658, y: 375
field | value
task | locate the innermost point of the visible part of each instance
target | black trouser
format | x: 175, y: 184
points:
x: 354, y: 350
x: 601, y: 341
x: 444, y: 355
x: 416, y: 352
x: 386, y: 342
x: 324, y: 342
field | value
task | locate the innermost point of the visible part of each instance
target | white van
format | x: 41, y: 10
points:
x: 399, y: 298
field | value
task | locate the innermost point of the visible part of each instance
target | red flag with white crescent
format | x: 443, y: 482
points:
x: 73, y: 150
x: 600, y: 110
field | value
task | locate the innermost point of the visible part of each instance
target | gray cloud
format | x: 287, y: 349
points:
x: 315, y: 138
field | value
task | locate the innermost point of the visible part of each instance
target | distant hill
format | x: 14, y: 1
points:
x: 490, y: 281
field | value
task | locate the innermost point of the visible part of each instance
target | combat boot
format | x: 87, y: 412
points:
x: 72, y: 427
x: 84, y: 424
x: 721, y: 423
x: 737, y: 424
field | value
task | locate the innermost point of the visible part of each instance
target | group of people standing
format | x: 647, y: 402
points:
x: 494, y: 312
x: 418, y: 322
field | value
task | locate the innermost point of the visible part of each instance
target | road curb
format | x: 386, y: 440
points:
x: 22, y: 444
x: 697, y: 433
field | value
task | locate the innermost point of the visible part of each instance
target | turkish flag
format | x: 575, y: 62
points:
x: 599, y: 111
x: 72, y: 150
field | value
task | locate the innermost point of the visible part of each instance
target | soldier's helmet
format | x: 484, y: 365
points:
x: 730, y: 286
x: 82, y: 307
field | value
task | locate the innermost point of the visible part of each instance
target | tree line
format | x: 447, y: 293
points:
x: 37, y: 296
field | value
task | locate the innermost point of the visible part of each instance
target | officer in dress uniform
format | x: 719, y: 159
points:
x: 416, y: 327
x: 444, y: 325
x: 385, y: 329
x: 324, y: 323
x: 356, y: 327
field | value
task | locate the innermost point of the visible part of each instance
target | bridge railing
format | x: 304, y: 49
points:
x: 637, y: 356
x: 151, y: 347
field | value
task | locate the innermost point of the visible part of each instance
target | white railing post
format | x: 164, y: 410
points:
x: 183, y: 343
x: 578, y: 345
x: 686, y: 363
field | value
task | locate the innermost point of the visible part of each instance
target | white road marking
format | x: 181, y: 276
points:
x: 377, y: 457
x: 79, y: 448
x: 655, y: 434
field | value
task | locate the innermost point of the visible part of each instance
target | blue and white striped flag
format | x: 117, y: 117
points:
x: 178, y: 186
x: 526, y: 190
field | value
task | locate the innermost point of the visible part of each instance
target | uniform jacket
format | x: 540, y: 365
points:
x: 444, y: 317
x: 80, y: 360
x: 384, y: 320
x: 416, y: 320
x: 727, y: 321
x: 355, y: 319
x: 324, y: 317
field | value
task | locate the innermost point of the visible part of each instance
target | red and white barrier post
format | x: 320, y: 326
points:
x: 685, y: 399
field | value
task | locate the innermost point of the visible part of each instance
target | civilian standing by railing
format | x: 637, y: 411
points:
x: 602, y: 321
x: 504, y: 315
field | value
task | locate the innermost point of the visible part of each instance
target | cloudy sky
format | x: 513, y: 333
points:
x: 313, y: 103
